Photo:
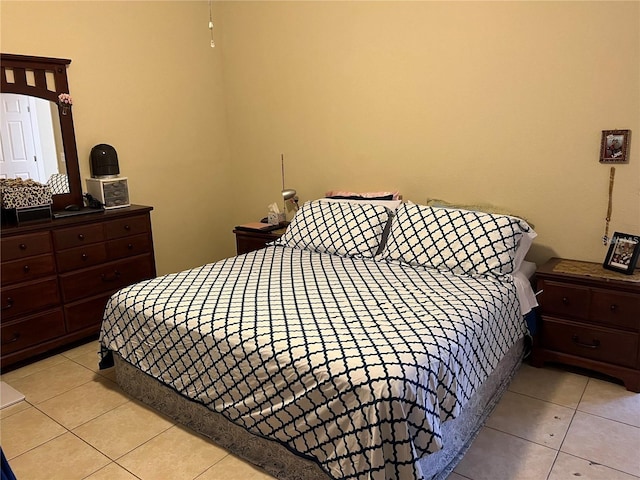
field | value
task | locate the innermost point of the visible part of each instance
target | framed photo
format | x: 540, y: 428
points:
x: 623, y: 253
x: 614, y: 147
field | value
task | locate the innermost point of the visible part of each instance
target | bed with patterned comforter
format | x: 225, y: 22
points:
x: 352, y: 361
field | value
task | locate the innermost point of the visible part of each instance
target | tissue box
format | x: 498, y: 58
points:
x: 274, y: 218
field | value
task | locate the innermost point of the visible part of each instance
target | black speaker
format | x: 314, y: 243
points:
x: 104, y: 161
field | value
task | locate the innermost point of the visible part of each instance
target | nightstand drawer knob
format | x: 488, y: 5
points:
x: 613, y: 307
x: 594, y: 343
x: 565, y: 301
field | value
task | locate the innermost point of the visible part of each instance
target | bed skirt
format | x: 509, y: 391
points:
x: 277, y: 460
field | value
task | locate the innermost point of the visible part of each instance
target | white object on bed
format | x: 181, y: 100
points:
x: 522, y: 280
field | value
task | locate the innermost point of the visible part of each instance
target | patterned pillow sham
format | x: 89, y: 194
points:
x: 345, y: 229
x: 460, y: 241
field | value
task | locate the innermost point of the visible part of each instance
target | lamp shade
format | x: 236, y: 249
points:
x: 288, y: 194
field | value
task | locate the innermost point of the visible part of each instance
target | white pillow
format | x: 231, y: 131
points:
x: 460, y: 241
x: 341, y: 228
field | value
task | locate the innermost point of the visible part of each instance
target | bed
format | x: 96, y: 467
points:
x: 367, y: 342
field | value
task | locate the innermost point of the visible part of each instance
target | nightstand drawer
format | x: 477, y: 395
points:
x: 602, y: 344
x: 248, y: 241
x: 565, y: 300
x: 617, y: 309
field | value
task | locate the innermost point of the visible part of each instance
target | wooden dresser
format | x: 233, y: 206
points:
x: 58, y: 275
x: 590, y: 318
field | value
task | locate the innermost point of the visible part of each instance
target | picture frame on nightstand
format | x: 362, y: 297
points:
x: 623, y: 253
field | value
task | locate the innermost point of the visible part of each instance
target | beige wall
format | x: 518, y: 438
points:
x: 467, y: 101
x: 144, y: 79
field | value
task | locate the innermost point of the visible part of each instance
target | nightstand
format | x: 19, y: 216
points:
x: 248, y: 241
x: 589, y: 318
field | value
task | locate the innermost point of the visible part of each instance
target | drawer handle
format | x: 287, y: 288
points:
x: 22, y: 246
x: 15, y: 338
x: 9, y: 304
x: 26, y: 268
x: 127, y: 227
x: 81, y: 236
x: 130, y: 246
x: 613, y: 307
x: 565, y: 301
x: 84, y: 256
x: 106, y: 278
x: 594, y: 343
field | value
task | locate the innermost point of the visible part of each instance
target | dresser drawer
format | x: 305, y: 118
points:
x: 565, y: 300
x: 602, y: 344
x: 22, y: 246
x: 86, y: 313
x: 31, y: 331
x: 619, y: 309
x: 27, y: 298
x: 127, y: 226
x: 105, y: 278
x: 128, y: 246
x: 81, y: 257
x: 78, y: 236
x: 27, y: 269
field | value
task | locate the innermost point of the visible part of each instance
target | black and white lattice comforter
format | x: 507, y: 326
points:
x: 352, y: 363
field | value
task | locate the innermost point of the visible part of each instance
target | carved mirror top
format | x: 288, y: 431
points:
x: 46, y: 78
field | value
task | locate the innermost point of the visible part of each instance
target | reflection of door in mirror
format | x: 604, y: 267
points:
x: 31, y: 140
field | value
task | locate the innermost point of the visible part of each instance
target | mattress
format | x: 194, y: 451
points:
x: 352, y: 363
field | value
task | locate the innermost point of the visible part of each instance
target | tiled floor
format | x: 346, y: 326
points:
x: 77, y: 424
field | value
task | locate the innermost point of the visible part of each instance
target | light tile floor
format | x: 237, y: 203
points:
x: 551, y: 424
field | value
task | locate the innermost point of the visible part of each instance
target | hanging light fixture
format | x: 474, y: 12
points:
x: 288, y: 194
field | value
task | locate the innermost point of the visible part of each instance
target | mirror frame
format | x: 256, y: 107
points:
x: 40, y: 67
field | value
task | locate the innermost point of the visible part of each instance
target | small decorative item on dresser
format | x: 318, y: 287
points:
x: 614, y: 146
x: 623, y: 253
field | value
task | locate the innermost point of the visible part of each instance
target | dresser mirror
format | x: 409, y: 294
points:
x: 38, y: 137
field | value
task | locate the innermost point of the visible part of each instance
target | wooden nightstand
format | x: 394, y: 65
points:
x: 248, y: 241
x: 590, y: 318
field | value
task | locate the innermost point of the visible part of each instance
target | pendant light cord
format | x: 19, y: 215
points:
x: 213, y: 44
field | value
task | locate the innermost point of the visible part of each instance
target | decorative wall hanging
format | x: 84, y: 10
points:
x: 614, y: 147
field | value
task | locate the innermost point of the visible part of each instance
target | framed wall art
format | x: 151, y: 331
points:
x: 623, y: 253
x: 614, y: 147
